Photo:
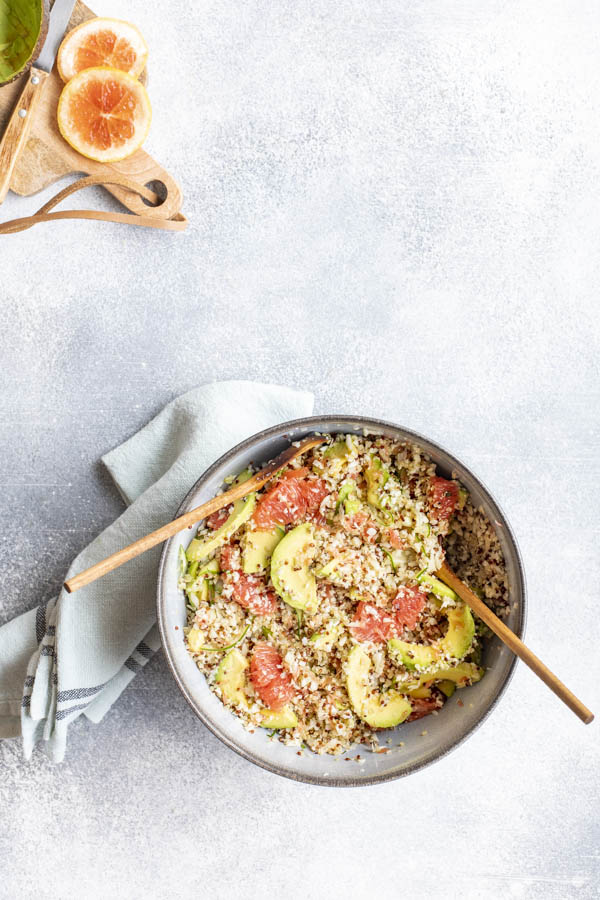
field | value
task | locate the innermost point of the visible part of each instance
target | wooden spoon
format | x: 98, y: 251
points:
x: 190, y: 518
x: 517, y: 646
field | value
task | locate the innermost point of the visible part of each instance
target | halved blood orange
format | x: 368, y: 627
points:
x: 102, y: 42
x: 104, y: 114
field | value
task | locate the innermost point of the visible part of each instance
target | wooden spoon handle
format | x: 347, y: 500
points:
x: 190, y: 518
x: 19, y: 124
x: 517, y: 646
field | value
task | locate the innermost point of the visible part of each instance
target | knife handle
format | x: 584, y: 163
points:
x: 18, y: 126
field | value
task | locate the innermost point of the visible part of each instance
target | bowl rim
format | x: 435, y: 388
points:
x: 281, y: 430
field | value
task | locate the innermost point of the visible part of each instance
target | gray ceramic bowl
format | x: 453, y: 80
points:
x: 444, y: 731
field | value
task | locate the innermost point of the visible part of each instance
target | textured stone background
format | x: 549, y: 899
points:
x: 396, y: 205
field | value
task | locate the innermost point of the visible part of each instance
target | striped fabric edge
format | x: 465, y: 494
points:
x: 141, y: 654
x: 45, y: 635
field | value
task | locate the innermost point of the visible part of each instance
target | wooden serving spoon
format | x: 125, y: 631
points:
x: 513, y: 643
x: 190, y: 518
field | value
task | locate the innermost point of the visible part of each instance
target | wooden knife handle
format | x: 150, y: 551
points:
x: 15, y: 136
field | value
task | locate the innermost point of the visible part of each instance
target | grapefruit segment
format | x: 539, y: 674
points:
x: 292, y: 499
x: 104, y: 114
x: 408, y: 605
x: 443, y: 499
x: 218, y: 518
x: 102, y: 42
x: 270, y: 679
x: 250, y: 592
x: 371, y: 623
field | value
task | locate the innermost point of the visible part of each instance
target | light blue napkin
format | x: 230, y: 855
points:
x: 76, y: 653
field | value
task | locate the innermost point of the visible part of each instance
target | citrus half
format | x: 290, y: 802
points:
x: 102, y: 42
x: 104, y: 114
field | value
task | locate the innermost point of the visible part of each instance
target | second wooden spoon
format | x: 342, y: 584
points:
x: 514, y: 643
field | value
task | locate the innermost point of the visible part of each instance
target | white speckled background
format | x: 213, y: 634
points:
x: 396, y: 205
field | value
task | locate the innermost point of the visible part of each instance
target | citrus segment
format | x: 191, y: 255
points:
x: 251, y: 592
x: 443, y: 499
x: 371, y: 623
x: 102, y: 42
x: 408, y: 604
x: 270, y: 679
x: 293, y: 498
x: 218, y: 518
x: 104, y: 114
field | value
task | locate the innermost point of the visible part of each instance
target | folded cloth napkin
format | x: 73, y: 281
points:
x: 76, y: 653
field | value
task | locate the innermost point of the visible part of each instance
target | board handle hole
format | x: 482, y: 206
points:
x: 161, y: 191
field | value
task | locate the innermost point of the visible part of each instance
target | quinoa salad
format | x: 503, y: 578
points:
x: 313, y: 606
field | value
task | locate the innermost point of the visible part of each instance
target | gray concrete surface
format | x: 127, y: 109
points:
x: 396, y: 205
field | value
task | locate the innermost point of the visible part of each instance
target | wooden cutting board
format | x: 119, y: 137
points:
x: 47, y: 156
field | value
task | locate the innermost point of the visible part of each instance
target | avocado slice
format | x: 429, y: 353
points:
x: 290, y: 572
x: 459, y: 676
x: 241, y: 512
x: 201, y: 573
x: 279, y: 718
x: 352, y: 505
x: 447, y: 687
x: 209, y: 569
x: 338, y: 450
x: 348, y: 497
x: 413, y: 656
x: 327, y: 636
x: 455, y: 643
x: 330, y: 570
x: 199, y: 593
x: 437, y: 587
x: 376, y: 477
x: 347, y: 488
x: 419, y: 693
x: 200, y: 588
x: 380, y: 710
x: 461, y: 631
x: 258, y: 549
x: 231, y: 676
x: 195, y: 639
